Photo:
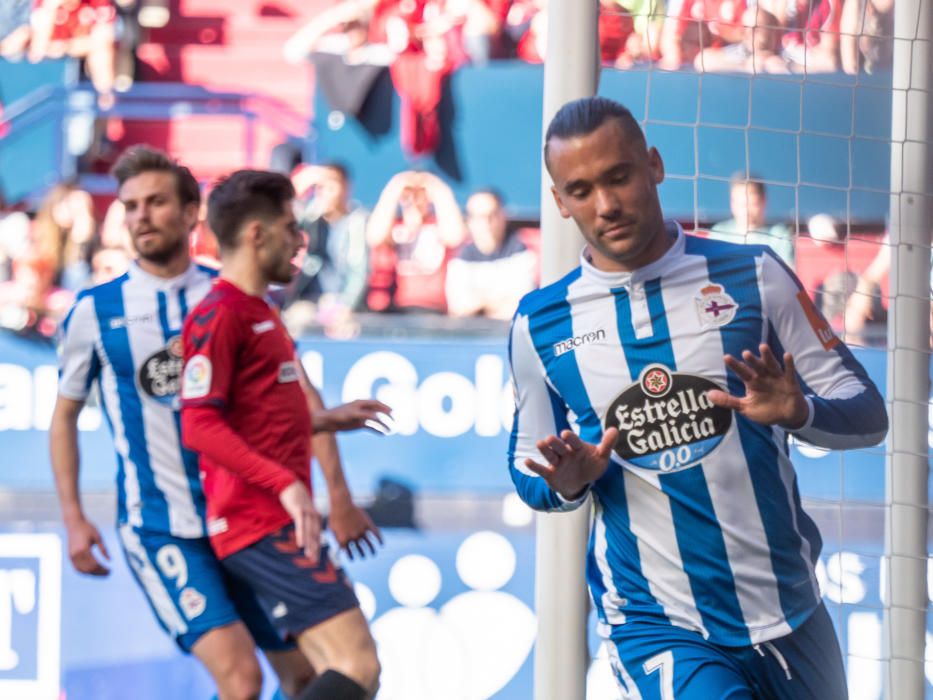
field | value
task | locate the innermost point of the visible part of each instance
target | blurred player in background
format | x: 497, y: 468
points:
x: 650, y: 377
x: 125, y: 335
x: 247, y: 410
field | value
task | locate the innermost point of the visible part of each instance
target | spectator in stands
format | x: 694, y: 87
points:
x: 428, y: 47
x: 202, y: 242
x: 748, y: 202
x: 332, y: 282
x: 811, y: 44
x: 64, y: 234
x: 480, y: 23
x: 866, y: 35
x: 618, y: 44
x: 342, y: 29
x: 864, y: 305
x: 699, y: 24
x: 14, y: 237
x: 14, y: 28
x: 413, y: 232
x: 526, y: 23
x: 83, y: 29
x: 108, y: 264
x: 30, y: 303
x: 838, y: 284
x: 495, y: 269
x: 643, y: 44
x: 113, y: 231
x: 758, y: 52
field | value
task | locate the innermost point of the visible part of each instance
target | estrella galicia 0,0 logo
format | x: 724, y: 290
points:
x: 666, y: 421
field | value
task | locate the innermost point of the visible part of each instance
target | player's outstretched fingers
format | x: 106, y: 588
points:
x: 741, y: 369
x: 790, y: 368
x: 606, y: 444
x: 757, y: 364
x: 550, y: 456
x: 545, y: 472
x: 721, y: 398
x: 770, y: 360
x: 558, y: 446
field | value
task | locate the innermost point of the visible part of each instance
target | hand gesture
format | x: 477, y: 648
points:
x: 772, y: 393
x: 352, y: 527
x: 362, y: 413
x: 82, y: 538
x: 297, y: 502
x: 571, y: 463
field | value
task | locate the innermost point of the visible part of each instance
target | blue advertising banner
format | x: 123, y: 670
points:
x: 452, y: 612
x: 451, y: 605
x: 452, y: 406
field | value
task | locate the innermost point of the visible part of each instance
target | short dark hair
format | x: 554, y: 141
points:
x: 490, y: 191
x: 340, y: 168
x: 740, y: 178
x: 137, y: 160
x: 245, y: 195
x: 586, y: 115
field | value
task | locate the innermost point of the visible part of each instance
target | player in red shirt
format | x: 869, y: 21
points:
x: 248, y: 409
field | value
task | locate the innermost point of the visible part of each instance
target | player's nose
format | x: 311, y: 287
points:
x: 607, y: 204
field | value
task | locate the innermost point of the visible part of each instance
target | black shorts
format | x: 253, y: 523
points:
x: 294, y: 593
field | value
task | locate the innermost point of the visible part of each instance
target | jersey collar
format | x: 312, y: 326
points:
x: 655, y: 269
x: 167, y: 284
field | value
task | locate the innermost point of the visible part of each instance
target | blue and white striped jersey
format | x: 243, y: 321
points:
x: 126, y: 336
x: 697, y: 520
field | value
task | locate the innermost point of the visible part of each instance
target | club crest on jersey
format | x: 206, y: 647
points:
x: 160, y: 373
x: 714, y: 306
x: 192, y: 602
x: 197, y: 381
x: 666, y: 421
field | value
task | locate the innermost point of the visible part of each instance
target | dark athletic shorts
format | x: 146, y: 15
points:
x: 294, y: 593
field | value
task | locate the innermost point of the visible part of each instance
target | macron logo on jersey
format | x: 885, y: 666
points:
x: 570, y: 344
x: 263, y: 326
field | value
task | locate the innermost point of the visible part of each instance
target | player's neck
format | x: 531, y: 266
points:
x: 245, y: 275
x: 167, y: 270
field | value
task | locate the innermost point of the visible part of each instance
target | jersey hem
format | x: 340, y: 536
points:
x: 225, y: 549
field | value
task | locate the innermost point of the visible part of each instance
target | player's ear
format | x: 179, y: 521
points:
x: 252, y: 233
x: 190, y: 214
x: 564, y: 211
x: 656, y: 166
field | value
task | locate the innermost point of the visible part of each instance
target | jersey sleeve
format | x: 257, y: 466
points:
x: 211, y: 338
x: 78, y: 361
x: 539, y: 412
x: 846, y: 409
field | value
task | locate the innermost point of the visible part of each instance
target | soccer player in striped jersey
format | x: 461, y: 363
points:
x: 125, y: 335
x: 663, y: 377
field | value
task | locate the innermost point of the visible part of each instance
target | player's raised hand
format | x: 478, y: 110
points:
x: 297, y: 502
x: 362, y: 413
x: 83, y: 536
x: 772, y: 393
x: 572, y: 464
x: 353, y: 528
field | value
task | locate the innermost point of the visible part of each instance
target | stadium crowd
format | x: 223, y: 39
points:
x: 417, y: 251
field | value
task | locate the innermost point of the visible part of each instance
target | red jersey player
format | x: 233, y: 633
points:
x: 248, y: 409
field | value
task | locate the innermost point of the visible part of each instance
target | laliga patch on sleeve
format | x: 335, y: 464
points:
x: 196, y: 382
x: 288, y: 372
x: 817, y: 321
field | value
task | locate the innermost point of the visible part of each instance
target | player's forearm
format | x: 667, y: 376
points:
x: 324, y: 447
x: 65, y: 458
x: 206, y: 432
x: 849, y: 423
